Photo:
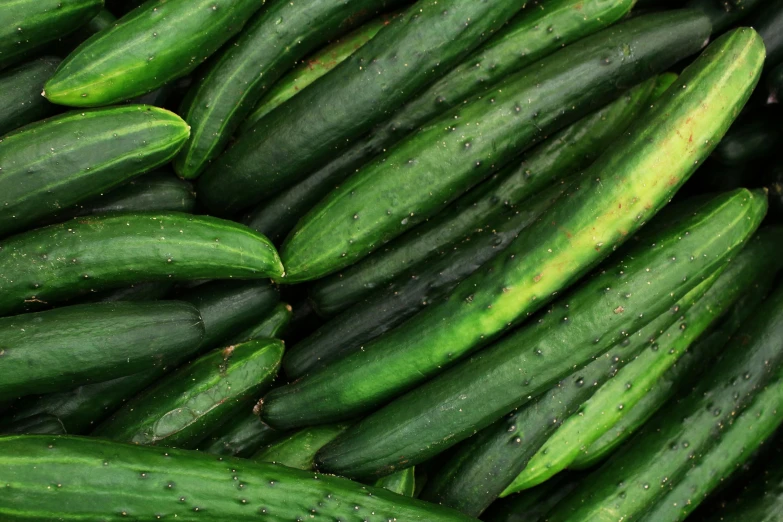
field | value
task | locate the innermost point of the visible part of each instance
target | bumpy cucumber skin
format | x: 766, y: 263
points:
x: 613, y: 198
x: 64, y: 348
x: 455, y: 151
x: 683, y: 434
x: 273, y: 41
x: 96, y: 253
x: 158, y: 42
x: 26, y: 25
x: 185, y: 407
x: 56, y: 163
x: 240, y: 437
x: 21, y: 101
x: 298, y: 137
x: 298, y: 449
x: 273, y: 325
x: 529, y: 32
x: 402, y: 482
x: 723, y: 14
x: 567, y: 152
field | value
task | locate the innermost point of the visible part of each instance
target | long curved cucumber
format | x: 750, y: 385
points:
x: 26, y: 25
x: 273, y: 325
x: 659, y: 458
x: 298, y: 449
x: 20, y: 94
x: 529, y: 31
x: 406, y: 56
x: 566, y: 152
x: 451, y: 153
x: 278, y: 37
x: 155, y: 43
x: 195, y: 487
x: 62, y: 261
x: 240, y: 437
x: 66, y: 347
x: 723, y: 13
x: 612, y: 199
x: 73, y: 157
x: 182, y: 409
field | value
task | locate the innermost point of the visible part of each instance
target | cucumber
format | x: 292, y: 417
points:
x: 499, y: 57
x: 159, y: 41
x: 566, y: 152
x: 273, y: 325
x: 724, y: 13
x: 298, y: 449
x: 533, y: 504
x: 65, y: 46
x: 109, y: 481
x: 406, y: 56
x: 27, y: 25
x: 61, y: 261
x: 402, y: 482
x: 64, y: 348
x: 137, y: 292
x: 36, y: 425
x: 768, y: 21
x: 240, y: 437
x: 682, y: 436
x: 182, y: 409
x: 70, y: 158
x: 748, y: 141
x: 21, y: 101
x: 505, y: 291
x: 453, y: 152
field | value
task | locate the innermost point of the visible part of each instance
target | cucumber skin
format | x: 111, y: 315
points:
x: 497, y: 58
x: 274, y: 40
x: 568, y: 151
x: 182, y: 409
x: 70, y: 158
x: 26, y: 25
x: 240, y: 437
x: 273, y: 325
x: 680, y: 436
x: 457, y: 150
x: 311, y: 127
x: 298, y: 449
x: 158, y: 42
x: 21, y: 101
x: 66, y: 347
x: 39, y: 266
x: 204, y: 481
x: 724, y: 14
x: 445, y: 332
x: 402, y: 482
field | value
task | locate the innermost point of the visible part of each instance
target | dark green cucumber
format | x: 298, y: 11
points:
x: 402, y: 482
x: 456, y: 150
x: 240, y: 437
x: 273, y: 325
x: 529, y: 32
x: 42, y: 424
x: 62, y: 261
x: 73, y: 157
x: 680, y: 437
x: 302, y: 134
x: 65, y: 46
x: 135, y: 292
x: 612, y: 199
x: 533, y: 504
x: 182, y: 409
x: 565, y: 153
x: 749, y: 141
x: 64, y: 348
x: 768, y: 21
x: 724, y: 13
x: 298, y: 449
x: 21, y: 101
x: 158, y: 42
x: 76, y: 478
x: 26, y: 25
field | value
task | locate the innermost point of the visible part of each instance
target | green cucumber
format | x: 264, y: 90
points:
x: 64, y: 348
x: 748, y: 141
x: 240, y: 437
x: 533, y: 504
x: 724, y: 13
x: 565, y: 153
x: 298, y: 449
x: 588, y: 321
x: 273, y: 325
x: 601, y: 412
x: 302, y: 134
x: 77, y: 478
x: 61, y: 261
x: 21, y: 101
x: 42, y: 424
x: 135, y: 292
x: 182, y: 409
x: 159, y: 41
x: 70, y: 158
x: 27, y: 25
x: 402, y: 482
x: 613, y: 198
x: 453, y: 152
x: 281, y: 35
x: 768, y: 21
x: 680, y: 437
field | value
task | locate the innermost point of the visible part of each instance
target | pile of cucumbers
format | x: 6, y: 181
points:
x: 391, y: 260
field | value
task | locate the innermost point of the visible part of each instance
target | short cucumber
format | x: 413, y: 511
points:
x: 402, y: 482
x: 104, y: 480
x: 273, y: 325
x: 61, y: 261
x: 20, y: 94
x: 62, y: 161
x: 240, y: 437
x: 27, y: 25
x: 298, y: 449
x: 724, y: 13
x: 451, y: 153
x: 63, y: 348
x: 158, y: 42
x: 509, y: 288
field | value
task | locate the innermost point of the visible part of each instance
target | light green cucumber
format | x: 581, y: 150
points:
x: 298, y: 449
x: 402, y: 482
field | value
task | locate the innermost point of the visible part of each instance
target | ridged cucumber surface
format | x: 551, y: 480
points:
x: 62, y: 161
x: 240, y: 437
x: 298, y: 449
x: 20, y: 94
x: 273, y: 325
